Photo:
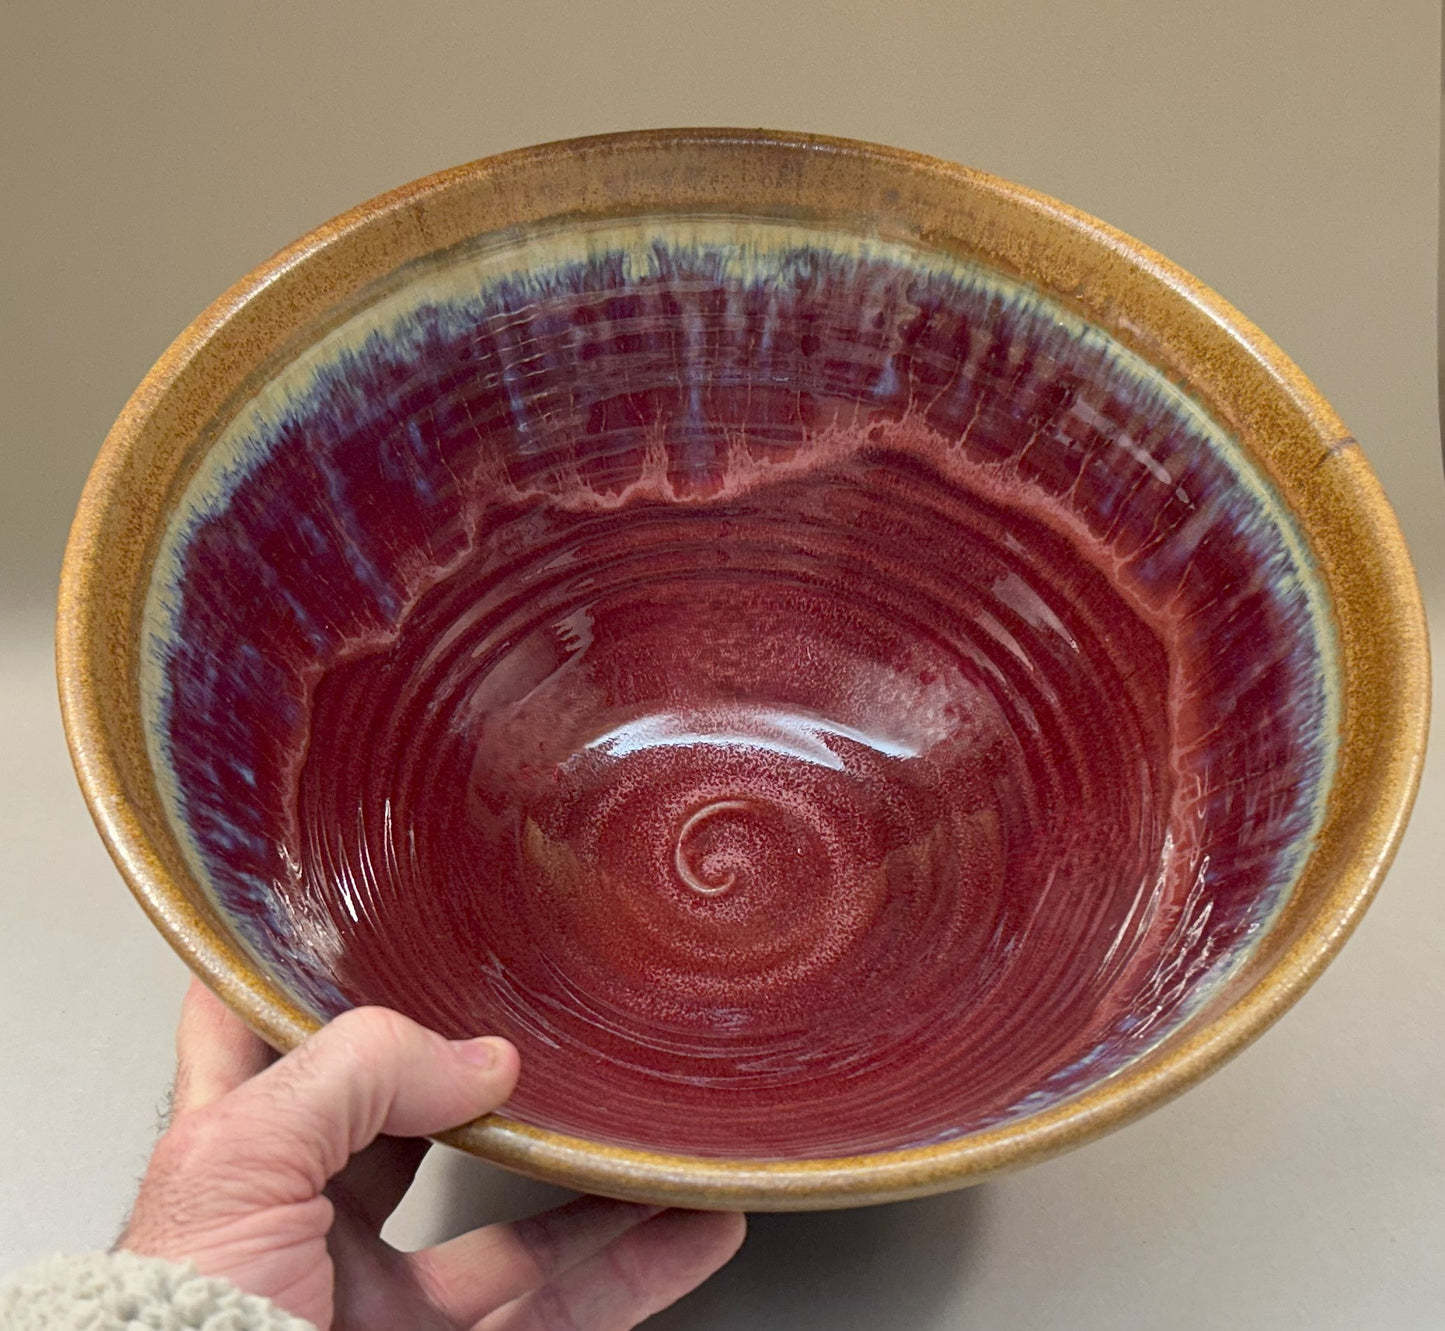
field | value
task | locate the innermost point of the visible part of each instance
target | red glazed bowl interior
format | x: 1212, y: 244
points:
x: 816, y: 696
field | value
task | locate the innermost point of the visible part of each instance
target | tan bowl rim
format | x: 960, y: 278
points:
x: 82, y: 649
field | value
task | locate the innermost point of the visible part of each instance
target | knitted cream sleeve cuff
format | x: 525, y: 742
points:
x: 121, y: 1291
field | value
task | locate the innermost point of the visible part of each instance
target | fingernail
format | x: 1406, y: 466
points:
x: 482, y: 1052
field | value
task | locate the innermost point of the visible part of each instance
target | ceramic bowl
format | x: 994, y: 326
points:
x: 868, y: 676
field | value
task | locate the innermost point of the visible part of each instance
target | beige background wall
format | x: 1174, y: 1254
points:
x: 1284, y: 150
x: 1280, y: 149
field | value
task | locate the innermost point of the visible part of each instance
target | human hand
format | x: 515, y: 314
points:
x: 277, y: 1175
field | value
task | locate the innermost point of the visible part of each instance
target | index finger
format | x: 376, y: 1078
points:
x: 215, y: 1050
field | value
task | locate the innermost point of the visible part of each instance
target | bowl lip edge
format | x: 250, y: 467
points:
x: 681, y: 1179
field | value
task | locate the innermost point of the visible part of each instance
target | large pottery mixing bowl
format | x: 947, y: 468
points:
x: 868, y: 676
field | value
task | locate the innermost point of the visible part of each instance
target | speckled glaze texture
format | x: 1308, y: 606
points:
x: 869, y: 676
x: 812, y: 697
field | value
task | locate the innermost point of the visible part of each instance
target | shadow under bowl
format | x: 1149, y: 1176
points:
x: 866, y: 675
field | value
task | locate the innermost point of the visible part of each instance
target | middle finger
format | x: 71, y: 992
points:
x: 470, y: 1275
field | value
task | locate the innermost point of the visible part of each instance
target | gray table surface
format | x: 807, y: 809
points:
x: 1285, y: 152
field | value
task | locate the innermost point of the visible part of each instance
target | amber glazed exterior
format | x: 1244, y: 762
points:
x: 529, y: 488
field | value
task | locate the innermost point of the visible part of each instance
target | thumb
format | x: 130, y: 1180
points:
x: 370, y: 1071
